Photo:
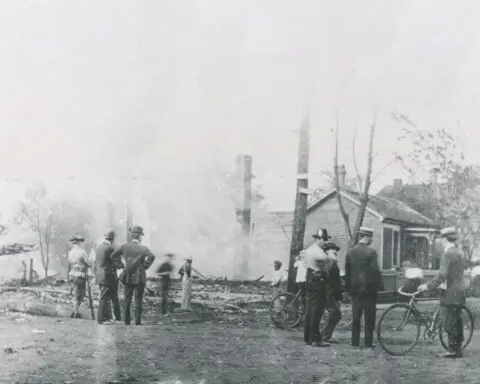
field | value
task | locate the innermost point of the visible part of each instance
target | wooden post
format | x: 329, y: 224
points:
x: 301, y: 200
x: 30, y: 275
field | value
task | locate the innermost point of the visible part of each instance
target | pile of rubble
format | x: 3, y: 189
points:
x: 207, y: 296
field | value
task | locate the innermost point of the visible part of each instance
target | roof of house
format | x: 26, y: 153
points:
x: 384, y: 208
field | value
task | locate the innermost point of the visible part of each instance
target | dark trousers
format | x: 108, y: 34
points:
x: 365, y: 305
x: 165, y: 285
x: 334, y: 315
x: 130, y: 289
x: 453, y: 325
x: 316, y: 300
x: 108, y: 294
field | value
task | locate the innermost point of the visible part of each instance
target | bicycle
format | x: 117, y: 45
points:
x: 291, y: 312
x: 411, y: 319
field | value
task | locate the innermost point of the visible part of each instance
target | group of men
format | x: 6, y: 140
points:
x: 107, y: 263
x: 138, y: 258
x: 363, y: 280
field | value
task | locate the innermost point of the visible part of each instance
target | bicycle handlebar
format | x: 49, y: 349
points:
x: 408, y: 294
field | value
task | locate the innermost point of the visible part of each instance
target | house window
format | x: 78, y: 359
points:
x: 391, y: 245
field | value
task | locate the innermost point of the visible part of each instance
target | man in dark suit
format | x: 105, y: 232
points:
x: 164, y: 271
x: 334, y: 294
x: 363, y: 280
x: 106, y: 276
x: 138, y: 258
x: 452, y: 267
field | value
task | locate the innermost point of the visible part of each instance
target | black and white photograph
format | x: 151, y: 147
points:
x: 239, y: 192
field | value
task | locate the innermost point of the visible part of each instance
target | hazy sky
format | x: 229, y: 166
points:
x: 165, y: 87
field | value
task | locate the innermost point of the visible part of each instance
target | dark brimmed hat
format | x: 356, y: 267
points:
x: 110, y: 234
x: 77, y: 238
x: 137, y: 230
x: 365, y: 231
x: 322, y: 233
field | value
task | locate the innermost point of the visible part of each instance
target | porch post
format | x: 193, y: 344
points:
x: 431, y: 243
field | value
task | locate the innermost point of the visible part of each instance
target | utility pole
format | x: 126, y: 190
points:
x: 301, y: 200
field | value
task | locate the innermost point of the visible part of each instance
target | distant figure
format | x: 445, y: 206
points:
x: 77, y: 258
x: 301, y: 277
x: 138, y: 258
x: 164, y: 271
x: 363, y: 280
x: 277, y: 278
x: 106, y: 276
x: 451, y: 273
x: 185, y: 273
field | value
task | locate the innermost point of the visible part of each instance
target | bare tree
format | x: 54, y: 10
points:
x: 363, y: 183
x: 37, y: 213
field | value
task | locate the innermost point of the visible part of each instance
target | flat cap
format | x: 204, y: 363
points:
x: 365, y: 231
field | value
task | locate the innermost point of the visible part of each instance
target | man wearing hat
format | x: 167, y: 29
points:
x: 77, y: 258
x: 138, y: 258
x: 316, y: 261
x: 106, y: 276
x: 334, y: 293
x: 164, y: 271
x: 363, y: 280
x: 452, y: 267
x: 185, y: 273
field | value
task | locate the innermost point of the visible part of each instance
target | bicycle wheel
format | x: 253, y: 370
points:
x: 468, y: 326
x: 398, y: 329
x: 285, y: 310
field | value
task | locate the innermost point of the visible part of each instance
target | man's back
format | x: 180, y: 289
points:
x: 138, y: 258
x: 104, y: 266
x: 455, y: 268
x: 362, y: 274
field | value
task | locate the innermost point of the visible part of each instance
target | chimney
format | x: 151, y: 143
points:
x: 341, y: 173
x: 397, y: 183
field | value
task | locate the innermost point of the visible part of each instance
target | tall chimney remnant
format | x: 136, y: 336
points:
x: 341, y: 174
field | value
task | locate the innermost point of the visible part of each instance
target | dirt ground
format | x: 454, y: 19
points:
x: 49, y: 350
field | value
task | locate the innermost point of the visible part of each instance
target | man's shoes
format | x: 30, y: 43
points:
x: 355, y: 346
x: 320, y: 344
x: 331, y: 340
x: 371, y: 346
x: 453, y: 355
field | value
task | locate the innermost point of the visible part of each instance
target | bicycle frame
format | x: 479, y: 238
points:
x: 429, y: 324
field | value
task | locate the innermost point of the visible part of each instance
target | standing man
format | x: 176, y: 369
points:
x: 334, y: 294
x: 301, y: 277
x: 317, y: 278
x: 185, y: 273
x: 363, y: 280
x: 106, y: 276
x: 277, y: 279
x: 452, y: 267
x: 164, y: 271
x: 138, y: 258
x: 77, y: 257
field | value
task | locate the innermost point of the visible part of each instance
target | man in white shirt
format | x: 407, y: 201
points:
x: 317, y: 284
x: 301, y: 277
x: 77, y: 257
x: 278, y: 278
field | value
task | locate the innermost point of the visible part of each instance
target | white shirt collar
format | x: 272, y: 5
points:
x: 135, y: 241
x: 106, y: 242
